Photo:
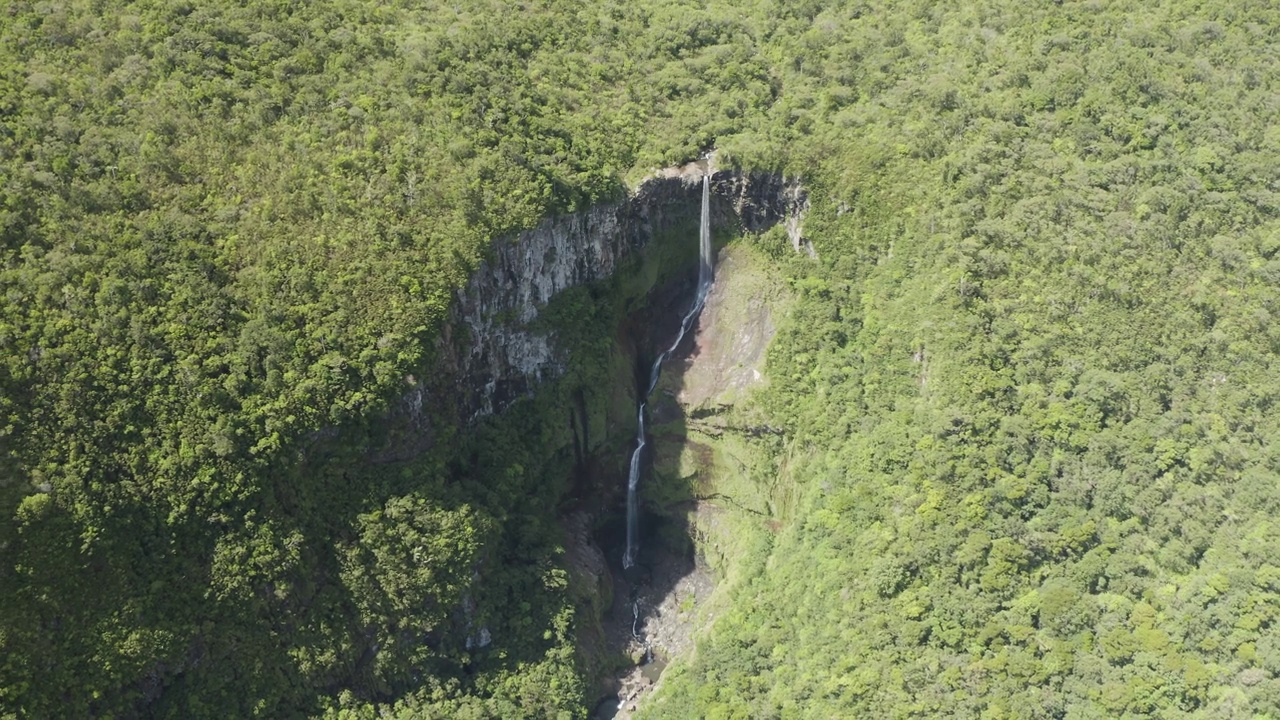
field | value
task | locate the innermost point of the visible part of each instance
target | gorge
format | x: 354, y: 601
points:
x: 645, y: 265
x: 356, y: 361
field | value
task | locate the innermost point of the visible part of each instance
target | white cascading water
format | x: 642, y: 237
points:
x: 705, y: 276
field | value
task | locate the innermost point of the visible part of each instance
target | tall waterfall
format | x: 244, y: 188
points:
x: 705, y: 277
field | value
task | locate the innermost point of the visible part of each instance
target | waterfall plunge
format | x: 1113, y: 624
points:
x: 705, y: 276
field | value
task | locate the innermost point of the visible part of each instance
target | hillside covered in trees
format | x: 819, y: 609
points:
x: 1028, y: 461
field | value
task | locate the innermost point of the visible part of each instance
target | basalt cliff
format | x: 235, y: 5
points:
x: 493, y: 347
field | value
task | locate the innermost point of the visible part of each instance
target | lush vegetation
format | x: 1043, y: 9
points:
x: 227, y: 230
x: 1030, y: 388
x: 1027, y: 392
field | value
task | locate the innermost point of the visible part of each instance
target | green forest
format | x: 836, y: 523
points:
x: 1023, y: 464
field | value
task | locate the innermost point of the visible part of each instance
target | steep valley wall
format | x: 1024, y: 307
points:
x: 495, y: 351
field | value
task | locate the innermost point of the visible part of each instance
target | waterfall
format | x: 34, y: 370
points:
x: 705, y: 277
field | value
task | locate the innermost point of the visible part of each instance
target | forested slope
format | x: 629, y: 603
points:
x: 1027, y: 392
x: 1030, y: 390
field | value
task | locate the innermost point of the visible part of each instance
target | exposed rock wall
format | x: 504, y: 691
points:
x: 494, y: 354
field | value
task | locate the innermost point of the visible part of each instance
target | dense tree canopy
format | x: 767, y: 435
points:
x: 1030, y: 387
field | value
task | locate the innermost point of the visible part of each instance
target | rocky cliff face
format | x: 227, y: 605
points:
x: 494, y: 354
x: 762, y: 200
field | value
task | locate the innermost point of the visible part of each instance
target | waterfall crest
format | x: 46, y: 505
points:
x: 705, y: 278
